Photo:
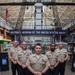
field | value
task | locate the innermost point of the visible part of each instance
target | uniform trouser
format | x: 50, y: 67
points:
x: 14, y: 68
x: 61, y: 69
x: 42, y: 74
x: 33, y: 74
x: 52, y: 72
x: 23, y: 71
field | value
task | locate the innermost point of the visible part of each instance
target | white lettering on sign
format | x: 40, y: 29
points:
x: 38, y: 32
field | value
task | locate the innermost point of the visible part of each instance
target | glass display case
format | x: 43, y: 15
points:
x: 3, y: 46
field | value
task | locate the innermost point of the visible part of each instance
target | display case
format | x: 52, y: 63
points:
x: 3, y: 46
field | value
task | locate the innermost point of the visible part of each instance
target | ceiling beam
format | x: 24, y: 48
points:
x: 32, y: 3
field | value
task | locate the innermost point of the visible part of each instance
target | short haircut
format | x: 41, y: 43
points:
x: 38, y: 44
x: 60, y: 43
x: 52, y: 44
x: 23, y: 42
x: 15, y: 41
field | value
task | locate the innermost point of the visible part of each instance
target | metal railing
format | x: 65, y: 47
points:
x: 42, y: 27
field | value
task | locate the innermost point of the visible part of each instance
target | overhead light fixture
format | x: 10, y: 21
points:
x: 38, y: 0
x: 50, y: 7
x: 27, y: 7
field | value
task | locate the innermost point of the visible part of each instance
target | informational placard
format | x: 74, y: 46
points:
x: 37, y: 32
x: 4, y: 61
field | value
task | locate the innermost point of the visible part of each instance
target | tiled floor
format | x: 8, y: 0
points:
x: 68, y: 71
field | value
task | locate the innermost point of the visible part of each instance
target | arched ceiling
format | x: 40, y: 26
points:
x: 65, y: 14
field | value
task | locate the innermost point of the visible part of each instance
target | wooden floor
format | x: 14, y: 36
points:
x: 68, y: 71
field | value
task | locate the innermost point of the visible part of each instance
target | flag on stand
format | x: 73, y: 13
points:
x: 7, y: 15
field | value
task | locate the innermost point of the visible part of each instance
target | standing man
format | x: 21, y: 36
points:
x: 22, y: 58
x: 13, y: 56
x: 38, y: 63
x: 53, y: 60
x: 63, y: 56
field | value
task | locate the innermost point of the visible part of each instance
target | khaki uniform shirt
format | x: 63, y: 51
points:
x: 62, y: 53
x: 13, y: 52
x: 52, y: 57
x: 23, y: 56
x: 37, y: 64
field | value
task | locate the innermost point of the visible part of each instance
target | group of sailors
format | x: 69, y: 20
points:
x: 26, y: 63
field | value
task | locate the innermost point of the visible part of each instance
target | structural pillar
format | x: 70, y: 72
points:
x: 5, y: 34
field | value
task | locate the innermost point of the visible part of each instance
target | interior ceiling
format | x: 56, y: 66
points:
x: 65, y: 14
